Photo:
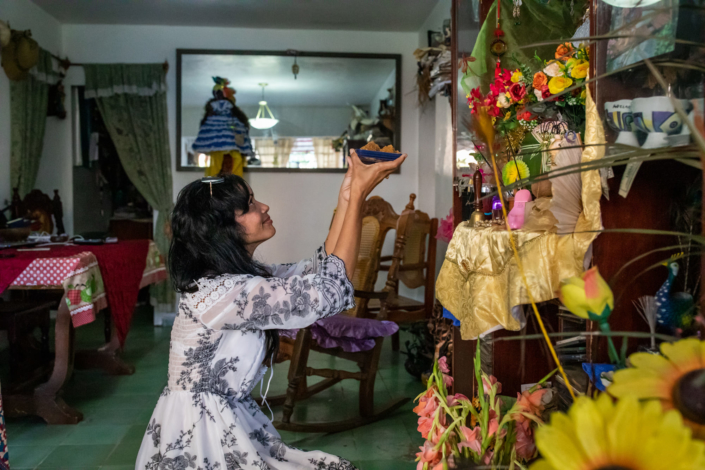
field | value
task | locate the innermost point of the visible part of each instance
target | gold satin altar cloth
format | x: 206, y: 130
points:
x: 479, y: 282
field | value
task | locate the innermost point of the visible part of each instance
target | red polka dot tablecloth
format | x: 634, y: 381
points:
x: 79, y: 274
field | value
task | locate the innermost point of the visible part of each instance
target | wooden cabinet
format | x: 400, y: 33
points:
x: 132, y: 229
x: 661, y: 194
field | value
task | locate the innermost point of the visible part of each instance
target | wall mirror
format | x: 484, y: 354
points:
x: 318, y: 105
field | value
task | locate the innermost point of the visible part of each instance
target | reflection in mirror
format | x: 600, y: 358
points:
x: 305, y: 121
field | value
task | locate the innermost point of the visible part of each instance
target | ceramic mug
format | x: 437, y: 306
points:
x: 619, y: 117
x: 656, y: 116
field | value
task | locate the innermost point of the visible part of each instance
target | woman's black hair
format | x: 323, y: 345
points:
x: 207, y: 241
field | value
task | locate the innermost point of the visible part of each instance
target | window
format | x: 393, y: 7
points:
x: 297, y: 152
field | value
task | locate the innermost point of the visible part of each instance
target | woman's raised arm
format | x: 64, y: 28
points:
x: 340, y: 210
x: 363, y: 179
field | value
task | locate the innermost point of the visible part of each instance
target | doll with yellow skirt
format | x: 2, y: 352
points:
x: 224, y: 133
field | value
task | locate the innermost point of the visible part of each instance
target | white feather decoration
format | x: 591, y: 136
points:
x: 5, y: 34
x: 567, y: 203
x: 646, y: 306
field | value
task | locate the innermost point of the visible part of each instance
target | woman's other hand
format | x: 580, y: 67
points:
x: 364, y: 178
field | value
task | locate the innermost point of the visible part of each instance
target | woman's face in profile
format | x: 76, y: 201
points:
x: 256, y: 222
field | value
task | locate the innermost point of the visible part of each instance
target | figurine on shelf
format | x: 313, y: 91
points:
x: 478, y: 215
x: 497, y: 209
x: 676, y: 311
x: 515, y: 218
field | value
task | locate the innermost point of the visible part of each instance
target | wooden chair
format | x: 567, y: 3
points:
x: 378, y: 219
x: 39, y: 207
x: 414, y: 264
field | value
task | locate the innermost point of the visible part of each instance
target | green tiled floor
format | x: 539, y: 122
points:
x: 117, y: 409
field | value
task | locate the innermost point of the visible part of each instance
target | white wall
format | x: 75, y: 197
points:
x: 435, y: 180
x: 55, y: 165
x: 301, y: 203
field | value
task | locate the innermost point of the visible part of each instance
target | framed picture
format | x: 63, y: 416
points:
x: 435, y: 39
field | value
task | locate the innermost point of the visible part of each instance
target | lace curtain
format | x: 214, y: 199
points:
x: 132, y: 101
x: 264, y: 147
x: 326, y: 156
x: 282, y: 150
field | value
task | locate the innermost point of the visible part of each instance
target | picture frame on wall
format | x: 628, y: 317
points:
x: 435, y: 38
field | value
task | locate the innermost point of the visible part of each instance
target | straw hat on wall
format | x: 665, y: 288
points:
x: 19, y: 54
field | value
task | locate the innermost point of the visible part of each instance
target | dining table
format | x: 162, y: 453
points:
x: 88, y: 279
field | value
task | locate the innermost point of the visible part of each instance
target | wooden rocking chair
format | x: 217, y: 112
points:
x: 412, y: 264
x: 378, y: 219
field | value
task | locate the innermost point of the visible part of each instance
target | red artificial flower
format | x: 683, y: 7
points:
x: 476, y: 94
x: 497, y: 87
x: 526, y: 116
x: 502, y: 75
x: 545, y: 93
x: 517, y: 91
x: 494, y: 111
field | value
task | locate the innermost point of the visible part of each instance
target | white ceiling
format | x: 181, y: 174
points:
x: 322, y: 81
x: 363, y: 15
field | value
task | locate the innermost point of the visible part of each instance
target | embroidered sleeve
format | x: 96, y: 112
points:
x: 303, y: 267
x: 258, y: 303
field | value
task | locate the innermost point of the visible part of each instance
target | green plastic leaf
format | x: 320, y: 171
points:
x: 86, y: 296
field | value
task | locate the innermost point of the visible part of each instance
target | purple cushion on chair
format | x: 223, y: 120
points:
x: 341, y: 326
x: 324, y: 340
x: 291, y: 334
x: 349, y: 333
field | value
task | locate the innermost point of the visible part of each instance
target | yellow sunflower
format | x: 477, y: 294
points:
x: 628, y: 435
x: 676, y: 378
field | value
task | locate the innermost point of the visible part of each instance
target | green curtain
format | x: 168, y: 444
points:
x: 132, y: 101
x: 538, y: 22
x: 28, y: 116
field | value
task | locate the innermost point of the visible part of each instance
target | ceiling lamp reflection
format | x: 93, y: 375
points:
x: 261, y: 121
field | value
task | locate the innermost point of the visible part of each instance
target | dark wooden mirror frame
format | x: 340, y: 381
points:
x: 347, y: 55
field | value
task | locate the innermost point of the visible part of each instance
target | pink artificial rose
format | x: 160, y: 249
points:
x: 487, y: 385
x: 531, y: 402
x: 472, y: 439
x: 443, y: 365
x: 427, y: 408
x: 424, y: 426
x: 487, y: 458
x: 447, y: 380
x: 446, y: 228
x: 454, y: 400
x: 428, y: 455
x: 493, y: 425
x: 437, y: 434
x: 525, y: 445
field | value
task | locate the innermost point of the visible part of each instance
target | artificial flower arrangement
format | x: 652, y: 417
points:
x: 487, y: 430
x: 518, y: 100
x: 512, y: 92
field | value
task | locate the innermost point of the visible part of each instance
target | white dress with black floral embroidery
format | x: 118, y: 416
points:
x: 206, y: 418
